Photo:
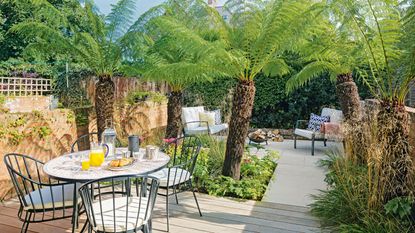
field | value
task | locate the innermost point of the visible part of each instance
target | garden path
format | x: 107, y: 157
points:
x: 298, y: 175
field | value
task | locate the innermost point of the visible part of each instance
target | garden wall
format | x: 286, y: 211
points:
x: 43, y: 135
x: 25, y: 103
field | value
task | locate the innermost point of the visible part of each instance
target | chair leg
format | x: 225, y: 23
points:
x: 167, y: 208
x: 312, y: 146
x: 325, y: 142
x: 197, y: 203
x: 177, y: 199
x: 25, y: 225
x: 295, y: 141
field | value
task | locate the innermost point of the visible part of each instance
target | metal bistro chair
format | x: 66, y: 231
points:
x: 177, y: 177
x: 117, y: 211
x: 84, y: 142
x: 41, y: 199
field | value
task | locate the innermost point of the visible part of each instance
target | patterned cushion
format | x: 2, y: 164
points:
x: 316, y: 121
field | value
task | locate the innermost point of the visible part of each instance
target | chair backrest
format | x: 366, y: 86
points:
x: 111, y: 210
x: 190, y: 114
x: 184, y: 152
x: 336, y: 116
x: 35, y: 189
x: 84, y: 142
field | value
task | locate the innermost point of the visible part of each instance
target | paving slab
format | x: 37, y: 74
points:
x: 298, y: 175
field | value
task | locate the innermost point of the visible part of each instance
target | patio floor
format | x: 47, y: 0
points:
x: 220, y: 215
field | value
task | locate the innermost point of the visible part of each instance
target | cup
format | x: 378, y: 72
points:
x: 133, y: 144
x: 85, y: 165
x: 151, y: 152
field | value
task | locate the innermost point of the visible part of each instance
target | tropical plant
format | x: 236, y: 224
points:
x: 255, y: 37
x: 97, y: 46
x: 172, y: 48
x: 331, y: 50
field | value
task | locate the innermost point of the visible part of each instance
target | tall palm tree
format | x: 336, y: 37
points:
x: 332, y: 51
x: 164, y: 51
x: 98, y: 47
x: 256, y: 36
x: 378, y: 26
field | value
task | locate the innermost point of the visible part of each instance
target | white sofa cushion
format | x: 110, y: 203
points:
x: 106, y: 221
x: 177, y: 176
x: 308, y: 134
x: 336, y: 116
x: 203, y: 129
x: 191, y: 114
x: 61, y: 197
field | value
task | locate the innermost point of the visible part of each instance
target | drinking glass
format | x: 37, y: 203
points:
x: 85, y: 164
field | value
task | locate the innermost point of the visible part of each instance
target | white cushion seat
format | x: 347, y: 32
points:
x: 105, y: 223
x: 308, y: 134
x: 193, y: 126
x: 177, y: 176
x: 53, y: 197
x: 203, y: 129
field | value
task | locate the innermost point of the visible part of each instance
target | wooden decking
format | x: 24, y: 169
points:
x: 219, y: 215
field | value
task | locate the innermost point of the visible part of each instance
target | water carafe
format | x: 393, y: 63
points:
x: 109, y: 137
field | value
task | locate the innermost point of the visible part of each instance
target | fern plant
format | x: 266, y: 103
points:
x: 97, y: 47
x: 173, y: 46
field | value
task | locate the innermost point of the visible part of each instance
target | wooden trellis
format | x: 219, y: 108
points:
x: 19, y: 86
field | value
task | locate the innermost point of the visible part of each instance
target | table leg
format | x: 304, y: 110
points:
x: 75, y: 209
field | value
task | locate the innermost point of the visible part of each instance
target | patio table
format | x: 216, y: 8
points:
x: 68, y: 168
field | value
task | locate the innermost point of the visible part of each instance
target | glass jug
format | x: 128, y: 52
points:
x: 97, y: 154
x: 109, y: 137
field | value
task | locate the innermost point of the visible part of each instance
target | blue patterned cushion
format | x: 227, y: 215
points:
x: 315, y: 122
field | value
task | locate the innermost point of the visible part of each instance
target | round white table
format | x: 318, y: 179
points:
x: 68, y: 168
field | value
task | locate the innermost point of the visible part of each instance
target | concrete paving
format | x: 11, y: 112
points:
x: 298, y: 175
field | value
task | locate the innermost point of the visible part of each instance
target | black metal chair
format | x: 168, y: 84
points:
x: 177, y: 177
x: 119, y: 211
x: 84, y: 142
x: 41, y: 198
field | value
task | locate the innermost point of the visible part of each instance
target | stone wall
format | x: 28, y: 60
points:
x: 43, y: 135
x: 26, y: 103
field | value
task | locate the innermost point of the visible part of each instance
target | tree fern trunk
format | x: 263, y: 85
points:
x: 397, y: 165
x: 243, y: 102
x: 348, y: 96
x: 104, y: 102
x: 174, y: 113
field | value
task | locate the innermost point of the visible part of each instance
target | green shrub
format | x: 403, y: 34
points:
x: 139, y: 96
x: 345, y: 205
x: 255, y: 172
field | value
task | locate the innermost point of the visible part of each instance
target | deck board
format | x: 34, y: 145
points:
x: 219, y: 215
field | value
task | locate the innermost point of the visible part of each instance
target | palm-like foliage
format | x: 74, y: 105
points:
x: 176, y: 52
x: 97, y: 47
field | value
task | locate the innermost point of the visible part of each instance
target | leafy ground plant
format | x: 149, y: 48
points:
x: 255, y: 172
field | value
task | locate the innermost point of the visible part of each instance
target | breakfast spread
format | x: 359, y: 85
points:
x: 121, y: 162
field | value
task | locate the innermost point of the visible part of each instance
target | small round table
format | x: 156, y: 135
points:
x: 67, y: 168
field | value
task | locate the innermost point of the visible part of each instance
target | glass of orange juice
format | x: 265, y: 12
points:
x: 85, y: 162
x: 96, y: 155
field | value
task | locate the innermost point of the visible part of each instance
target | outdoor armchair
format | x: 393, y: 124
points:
x: 192, y: 125
x: 328, y: 130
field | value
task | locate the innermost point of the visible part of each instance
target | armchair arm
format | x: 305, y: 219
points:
x: 300, y: 124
